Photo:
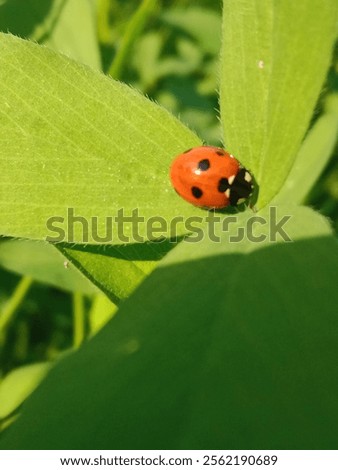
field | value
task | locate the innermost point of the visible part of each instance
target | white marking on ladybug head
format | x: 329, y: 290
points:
x: 247, y: 177
x: 242, y: 199
x: 231, y: 156
x: 227, y: 193
x: 231, y: 179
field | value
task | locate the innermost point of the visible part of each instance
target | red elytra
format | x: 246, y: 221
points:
x: 210, y: 177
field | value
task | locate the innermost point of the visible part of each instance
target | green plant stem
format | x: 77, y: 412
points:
x: 78, y: 319
x: 13, y: 304
x: 133, y: 30
x: 44, y: 31
x: 103, y: 29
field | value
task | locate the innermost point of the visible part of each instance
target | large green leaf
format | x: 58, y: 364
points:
x: 226, y: 345
x: 82, y: 141
x: 274, y: 59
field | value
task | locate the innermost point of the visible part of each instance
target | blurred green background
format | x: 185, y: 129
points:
x: 173, y: 59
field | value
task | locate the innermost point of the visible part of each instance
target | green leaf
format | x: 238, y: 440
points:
x: 312, y: 157
x: 274, y: 59
x: 116, y: 270
x: 81, y: 141
x: 18, y: 385
x: 68, y: 26
x: 116, y: 277
x: 75, y: 33
x: 225, y: 345
x: 23, y: 17
x: 43, y: 263
x: 203, y: 24
x: 101, y: 312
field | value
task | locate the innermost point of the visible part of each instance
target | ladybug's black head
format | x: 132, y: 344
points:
x: 241, y: 187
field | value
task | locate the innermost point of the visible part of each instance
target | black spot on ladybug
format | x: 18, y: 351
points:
x: 187, y: 151
x: 204, y: 165
x: 220, y: 152
x: 196, y: 192
x: 223, y: 185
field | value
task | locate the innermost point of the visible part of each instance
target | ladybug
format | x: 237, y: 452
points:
x: 210, y: 177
